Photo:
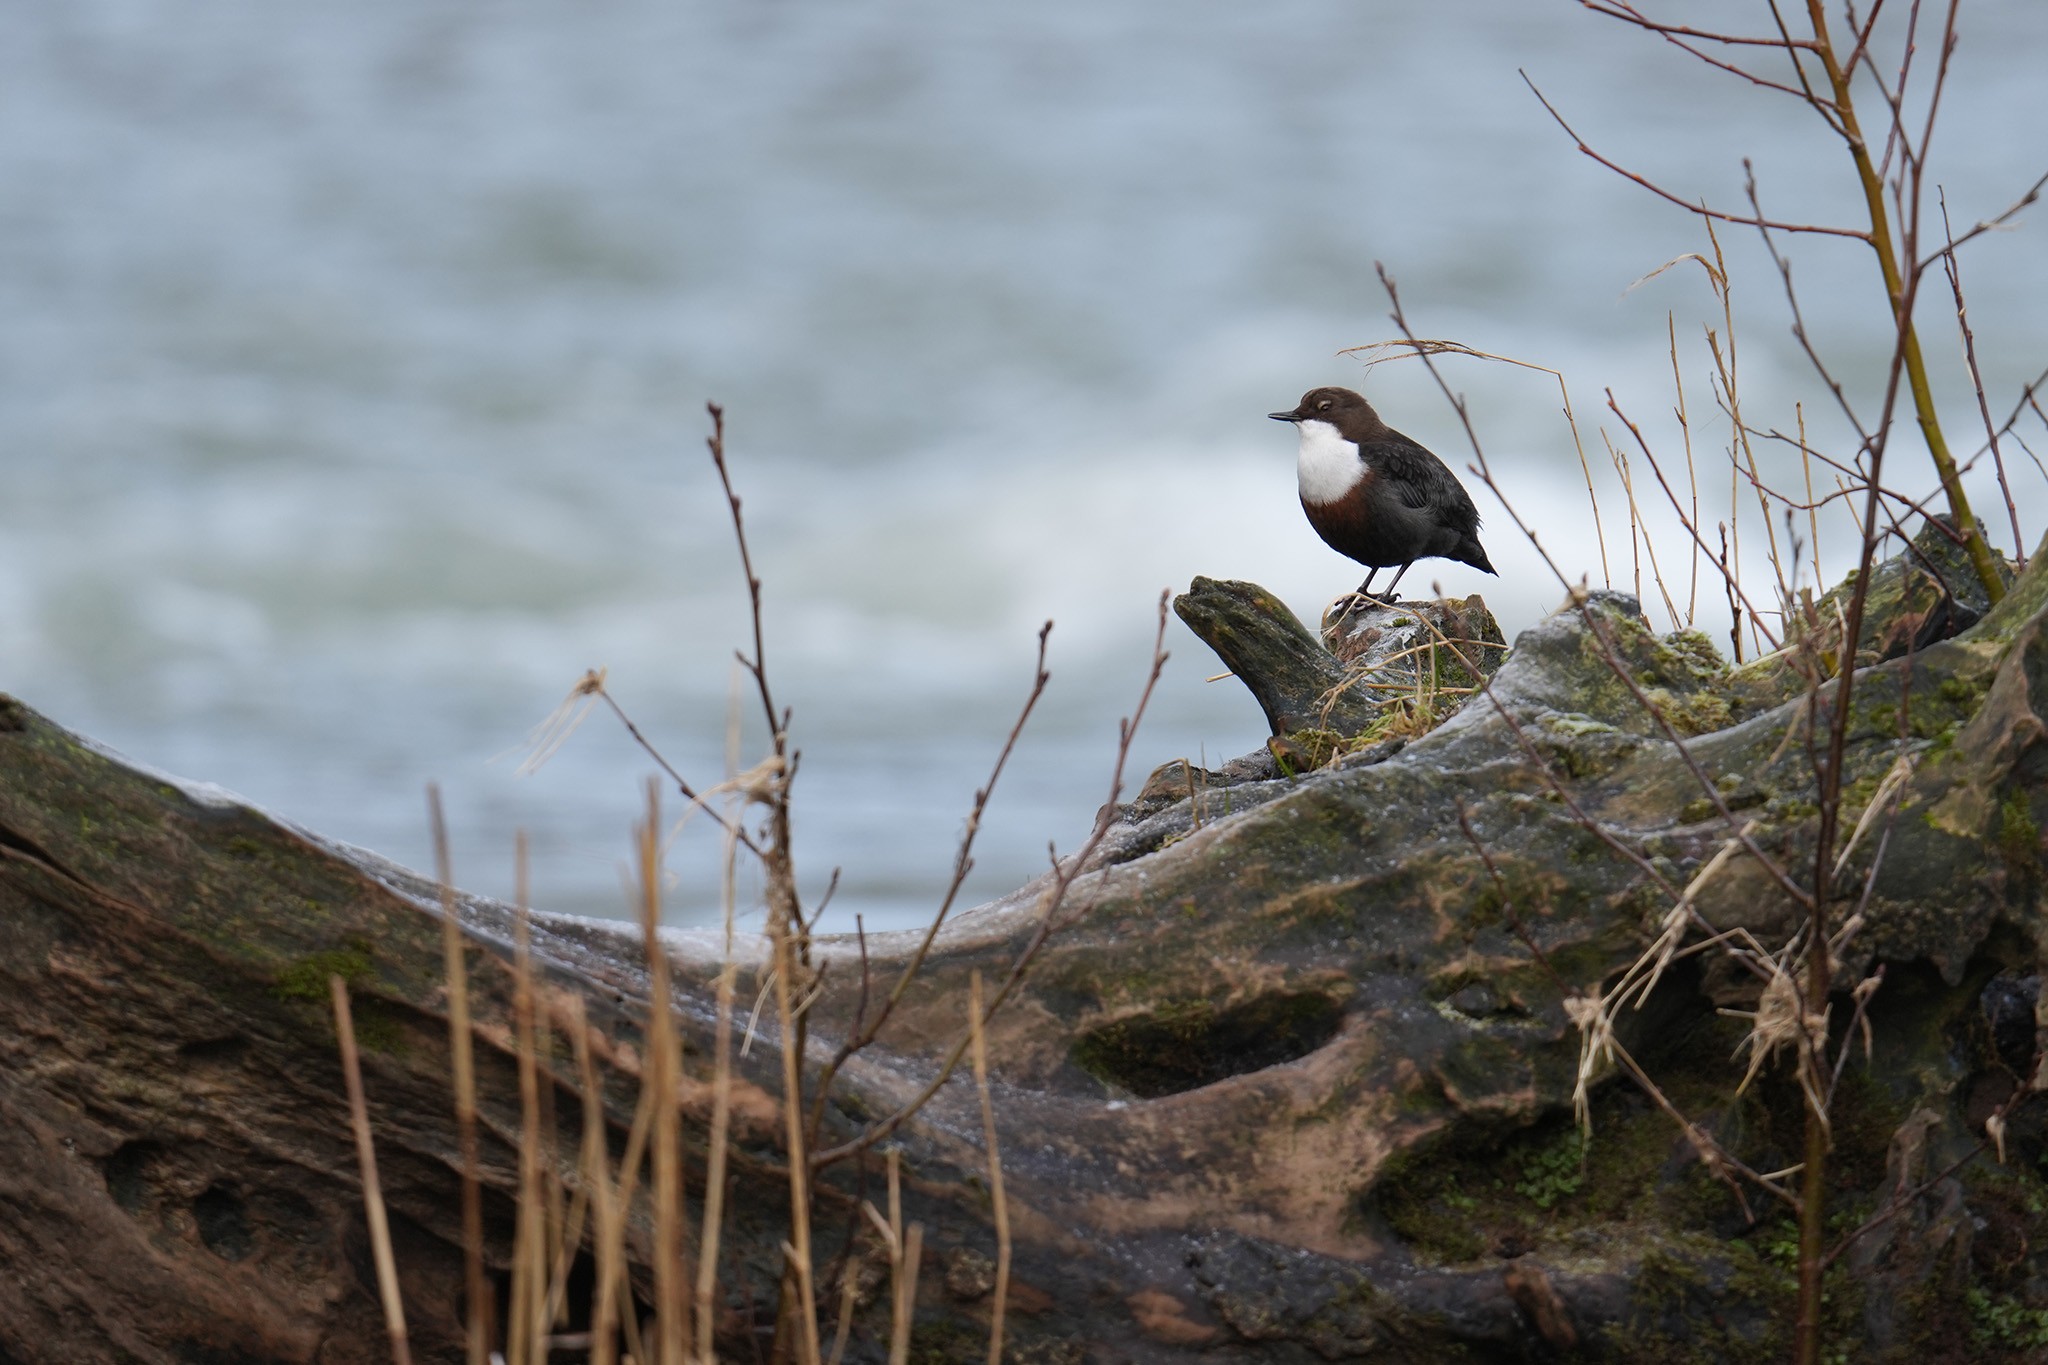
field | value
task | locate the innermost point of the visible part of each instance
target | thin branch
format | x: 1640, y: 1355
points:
x: 1719, y: 215
x: 1065, y: 873
x: 1627, y: 13
x: 1685, y: 40
x: 1955, y: 284
x: 2027, y: 200
x: 1799, y: 331
x: 758, y: 664
x: 1903, y: 1200
x: 863, y: 1034
x: 1793, y: 48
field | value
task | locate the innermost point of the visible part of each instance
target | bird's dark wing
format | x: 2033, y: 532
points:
x: 1421, y: 481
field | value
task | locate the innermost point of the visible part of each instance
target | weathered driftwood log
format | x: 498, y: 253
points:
x: 1293, y: 678
x: 1287, y: 1086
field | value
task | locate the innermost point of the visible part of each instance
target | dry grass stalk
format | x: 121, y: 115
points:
x: 799, y: 1261
x: 721, y: 1120
x: 607, y: 1237
x: 906, y: 1251
x: 659, y: 1082
x: 1692, y: 477
x: 366, y: 1160
x: 1740, y: 607
x: 554, y: 730
x: 1812, y: 509
x: 1679, y: 920
x: 1741, y: 452
x: 566, y: 1236
x: 1422, y: 717
x: 849, y: 1291
x: 557, y: 1227
x: 1779, y: 1021
x: 462, y: 1061
x: 1888, y: 791
x: 527, y: 1330
x: 906, y: 1308
x: 629, y: 1176
x: 1636, y: 523
x: 1001, y: 1296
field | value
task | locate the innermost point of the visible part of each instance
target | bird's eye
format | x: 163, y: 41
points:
x: 1323, y: 406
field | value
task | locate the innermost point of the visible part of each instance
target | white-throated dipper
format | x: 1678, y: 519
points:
x: 1376, y: 496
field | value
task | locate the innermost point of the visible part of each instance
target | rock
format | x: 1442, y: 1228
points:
x: 1293, y: 1082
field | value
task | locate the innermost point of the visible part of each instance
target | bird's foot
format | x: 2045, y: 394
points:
x: 1360, y: 599
x: 1353, y: 604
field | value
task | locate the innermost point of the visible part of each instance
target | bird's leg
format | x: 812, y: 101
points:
x: 1397, y: 579
x: 1365, y: 588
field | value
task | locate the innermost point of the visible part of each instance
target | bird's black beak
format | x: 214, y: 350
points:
x: 1285, y: 416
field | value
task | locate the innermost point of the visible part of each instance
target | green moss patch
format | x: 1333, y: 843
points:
x: 306, y: 979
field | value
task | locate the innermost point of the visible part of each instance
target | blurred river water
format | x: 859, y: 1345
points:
x: 353, y: 363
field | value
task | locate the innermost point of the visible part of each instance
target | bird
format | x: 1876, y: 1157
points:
x: 1376, y: 496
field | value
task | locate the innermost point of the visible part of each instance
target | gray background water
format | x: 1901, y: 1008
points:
x: 352, y: 362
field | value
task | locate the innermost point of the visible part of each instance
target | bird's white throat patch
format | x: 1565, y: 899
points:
x: 1328, y: 465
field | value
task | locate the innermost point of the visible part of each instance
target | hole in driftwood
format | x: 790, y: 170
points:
x: 223, y: 1223
x: 214, y: 1051
x: 1192, y: 1044
x: 129, y: 1171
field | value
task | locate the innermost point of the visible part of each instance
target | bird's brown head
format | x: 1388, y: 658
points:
x: 1341, y: 408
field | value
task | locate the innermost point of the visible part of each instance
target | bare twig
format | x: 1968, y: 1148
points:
x: 995, y: 1172
x: 1993, y: 223
x: 1799, y: 331
x: 1955, y: 283
x: 1905, y: 1199
x: 865, y: 1031
x: 1051, y: 917
x: 1719, y: 215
